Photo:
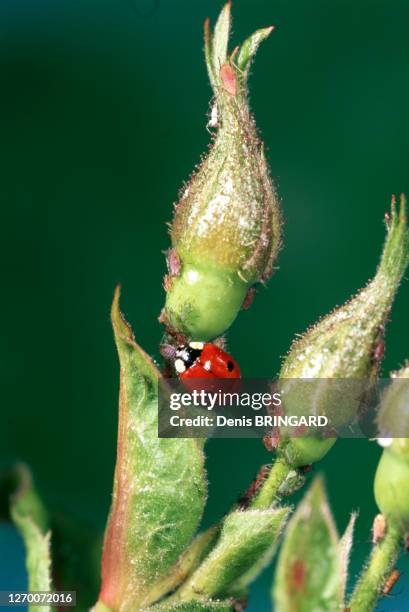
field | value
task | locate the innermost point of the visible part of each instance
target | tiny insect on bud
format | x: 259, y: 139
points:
x: 228, y: 79
x: 378, y: 528
x: 390, y: 582
x: 244, y: 500
x: 226, y: 227
x: 294, y: 481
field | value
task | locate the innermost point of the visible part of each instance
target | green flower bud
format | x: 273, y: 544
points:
x: 392, y: 487
x: 226, y: 228
x: 306, y: 450
x: 392, y: 475
x: 346, y: 345
x: 393, y: 415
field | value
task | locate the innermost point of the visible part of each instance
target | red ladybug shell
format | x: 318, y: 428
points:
x: 210, y: 361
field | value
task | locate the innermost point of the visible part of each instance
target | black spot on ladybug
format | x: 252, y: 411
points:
x: 230, y: 366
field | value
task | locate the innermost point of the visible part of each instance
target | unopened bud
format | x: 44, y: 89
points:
x: 340, y: 354
x: 226, y: 228
x: 393, y: 415
x: 378, y: 528
x: 392, y: 475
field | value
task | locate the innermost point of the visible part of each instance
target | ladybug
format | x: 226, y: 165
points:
x: 204, y: 360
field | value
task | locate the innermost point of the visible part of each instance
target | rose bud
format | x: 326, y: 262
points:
x: 393, y: 415
x: 341, y: 354
x: 226, y: 227
x: 392, y: 475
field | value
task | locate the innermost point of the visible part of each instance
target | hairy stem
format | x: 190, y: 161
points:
x: 370, y: 584
x: 268, y: 494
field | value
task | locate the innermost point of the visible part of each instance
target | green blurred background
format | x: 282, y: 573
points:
x: 103, y: 111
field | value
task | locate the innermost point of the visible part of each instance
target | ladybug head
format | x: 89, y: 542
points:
x: 187, y: 355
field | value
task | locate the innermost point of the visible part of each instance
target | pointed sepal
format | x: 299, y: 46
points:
x: 159, y: 485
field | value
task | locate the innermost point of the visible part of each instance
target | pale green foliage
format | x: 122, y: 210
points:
x: 249, y: 48
x: 345, y: 548
x: 246, y: 536
x: 309, y: 571
x: 159, y: 488
x: 221, y: 38
x: 187, y: 563
x: 29, y: 517
x: 37, y: 554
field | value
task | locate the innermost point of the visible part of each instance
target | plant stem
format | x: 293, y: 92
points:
x: 269, y: 491
x: 372, y: 579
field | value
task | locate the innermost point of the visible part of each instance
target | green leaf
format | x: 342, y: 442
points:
x: 239, y: 587
x: 221, y: 38
x: 17, y: 487
x: 216, y: 45
x: 208, y: 49
x: 30, y: 518
x: 38, y: 560
x: 345, y: 547
x: 249, y: 48
x: 159, y: 485
x: 246, y: 537
x: 308, y: 577
x: 188, y: 562
x: 395, y: 256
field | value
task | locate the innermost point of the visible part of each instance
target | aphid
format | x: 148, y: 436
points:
x: 378, y: 528
x: 248, y: 300
x: 390, y: 582
x: 272, y: 440
x: 204, y: 360
x: 228, y: 78
x: 214, y: 117
x: 245, y: 499
x: 292, y: 483
x: 379, y: 351
x: 173, y: 262
x: 167, y: 282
